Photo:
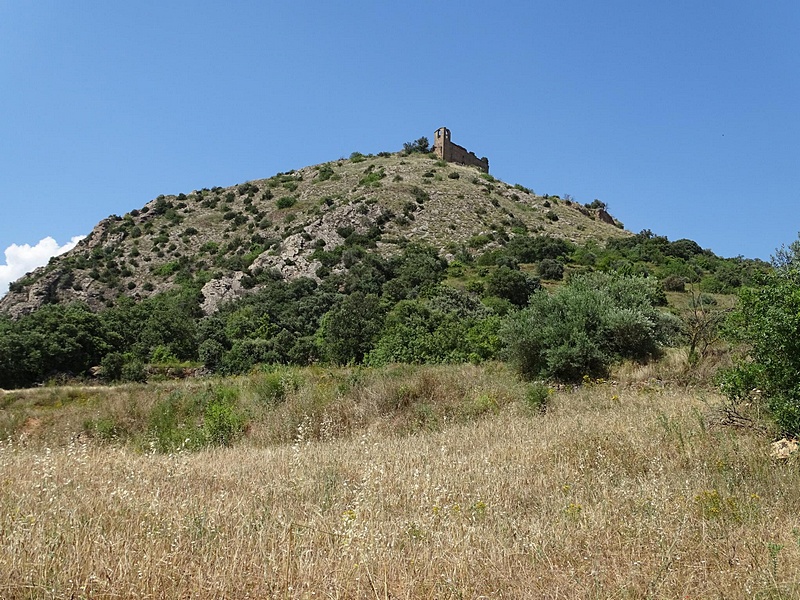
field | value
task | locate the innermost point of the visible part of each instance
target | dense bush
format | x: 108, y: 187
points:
x: 550, y: 269
x: 446, y: 326
x: 674, y: 283
x: 512, y: 285
x: 531, y: 249
x: 585, y: 326
x: 285, y: 201
x: 417, y: 269
x: 767, y: 324
x: 54, y: 340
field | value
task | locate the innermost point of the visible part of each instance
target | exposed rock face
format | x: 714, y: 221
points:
x: 100, y: 235
x: 605, y: 217
x: 292, y: 262
x: 48, y: 288
x: 217, y: 291
x: 40, y: 292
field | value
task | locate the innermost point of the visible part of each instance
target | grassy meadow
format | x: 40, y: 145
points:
x: 401, y: 482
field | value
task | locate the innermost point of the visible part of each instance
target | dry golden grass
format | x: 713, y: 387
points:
x: 614, y: 492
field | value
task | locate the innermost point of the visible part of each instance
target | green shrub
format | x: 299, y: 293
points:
x: 167, y: 269
x: 133, y: 371
x: 349, y: 330
x: 210, y: 353
x: 475, y: 287
x: 702, y: 300
x: 674, y: 283
x: 112, y: 364
x: 173, y: 423
x: 104, y: 428
x: 447, y: 326
x: 712, y: 285
x: 223, y: 424
x: 536, y: 397
x: 286, y: 201
x: 530, y: 249
x: 550, y: 269
x: 586, y: 326
x: 163, y: 355
x: 325, y: 172
x: 270, y: 388
x: 194, y: 419
x: 357, y: 157
x: 478, y: 241
x: 372, y: 177
x: 420, y: 195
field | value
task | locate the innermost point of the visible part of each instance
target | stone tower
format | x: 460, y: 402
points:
x: 450, y: 152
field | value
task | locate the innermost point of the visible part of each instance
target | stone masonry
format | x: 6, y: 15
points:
x: 447, y: 150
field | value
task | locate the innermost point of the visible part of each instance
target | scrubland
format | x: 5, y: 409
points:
x: 423, y: 482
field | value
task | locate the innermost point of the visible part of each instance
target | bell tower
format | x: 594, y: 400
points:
x: 441, y: 143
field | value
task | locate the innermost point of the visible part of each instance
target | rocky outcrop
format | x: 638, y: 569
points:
x: 605, y: 217
x: 218, y: 291
x: 43, y: 290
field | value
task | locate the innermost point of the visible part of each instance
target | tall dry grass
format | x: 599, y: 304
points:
x: 614, y: 492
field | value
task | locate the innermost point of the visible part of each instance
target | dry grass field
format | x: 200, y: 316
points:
x: 615, y: 491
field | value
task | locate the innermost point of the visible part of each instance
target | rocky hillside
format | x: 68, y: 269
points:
x: 228, y: 239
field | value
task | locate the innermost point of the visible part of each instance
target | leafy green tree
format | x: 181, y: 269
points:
x: 20, y: 357
x: 170, y: 322
x: 349, y: 330
x: 277, y: 324
x: 512, y: 285
x: 407, y: 335
x: 766, y: 322
x: 684, y: 249
x: 420, y: 145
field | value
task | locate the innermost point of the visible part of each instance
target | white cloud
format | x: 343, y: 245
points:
x: 25, y: 258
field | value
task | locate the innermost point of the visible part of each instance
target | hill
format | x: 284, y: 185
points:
x: 226, y: 238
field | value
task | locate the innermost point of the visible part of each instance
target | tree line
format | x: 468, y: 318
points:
x: 417, y: 307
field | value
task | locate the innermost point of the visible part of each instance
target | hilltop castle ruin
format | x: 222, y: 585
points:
x: 447, y: 150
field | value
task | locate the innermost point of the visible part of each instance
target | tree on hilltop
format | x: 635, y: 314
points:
x: 421, y: 145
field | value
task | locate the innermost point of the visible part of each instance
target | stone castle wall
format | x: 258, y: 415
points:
x: 450, y: 152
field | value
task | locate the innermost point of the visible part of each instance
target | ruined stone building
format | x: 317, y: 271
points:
x: 447, y: 150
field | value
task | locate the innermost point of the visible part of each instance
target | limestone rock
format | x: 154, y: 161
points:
x: 783, y: 449
x: 217, y: 291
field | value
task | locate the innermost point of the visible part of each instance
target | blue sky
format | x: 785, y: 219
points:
x: 682, y: 115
